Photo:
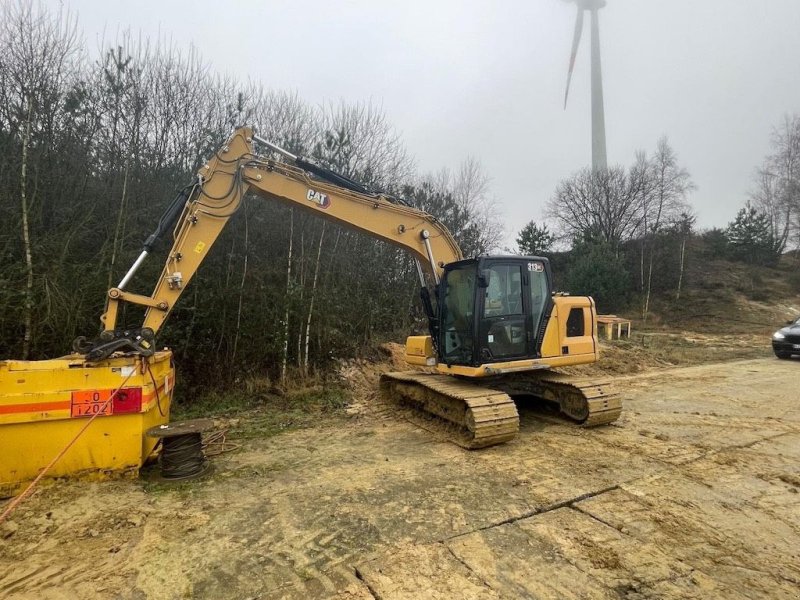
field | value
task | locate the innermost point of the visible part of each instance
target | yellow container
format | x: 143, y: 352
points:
x: 44, y: 404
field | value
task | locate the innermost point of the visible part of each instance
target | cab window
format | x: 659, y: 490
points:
x: 503, y: 326
x: 458, y: 314
x: 539, y: 292
x: 503, y: 292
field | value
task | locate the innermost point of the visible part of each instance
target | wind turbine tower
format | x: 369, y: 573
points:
x: 599, y: 160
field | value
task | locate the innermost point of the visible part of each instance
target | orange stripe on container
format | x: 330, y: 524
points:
x: 148, y: 397
x: 34, y: 407
x: 62, y: 405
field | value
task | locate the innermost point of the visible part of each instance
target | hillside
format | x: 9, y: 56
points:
x: 722, y: 296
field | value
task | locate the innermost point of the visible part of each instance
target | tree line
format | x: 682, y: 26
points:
x: 93, y: 148
x: 629, y: 230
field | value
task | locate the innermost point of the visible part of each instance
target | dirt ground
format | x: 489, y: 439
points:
x: 693, y: 493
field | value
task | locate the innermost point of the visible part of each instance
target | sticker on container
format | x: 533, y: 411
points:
x: 87, y: 403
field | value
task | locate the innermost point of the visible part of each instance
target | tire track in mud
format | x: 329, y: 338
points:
x: 30, y: 580
x: 41, y: 555
x: 286, y: 551
x: 42, y: 578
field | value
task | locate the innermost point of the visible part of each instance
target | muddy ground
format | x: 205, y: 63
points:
x: 693, y: 493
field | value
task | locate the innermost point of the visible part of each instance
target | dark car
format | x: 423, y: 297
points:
x: 786, y: 341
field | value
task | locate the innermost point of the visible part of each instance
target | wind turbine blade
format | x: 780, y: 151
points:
x: 576, y: 40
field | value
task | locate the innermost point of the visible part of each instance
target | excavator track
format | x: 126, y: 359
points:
x: 468, y: 415
x: 481, y: 413
x: 588, y: 402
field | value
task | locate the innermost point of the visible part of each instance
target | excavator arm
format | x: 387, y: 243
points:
x: 201, y: 211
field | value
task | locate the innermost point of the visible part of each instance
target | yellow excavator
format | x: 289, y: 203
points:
x: 495, y: 326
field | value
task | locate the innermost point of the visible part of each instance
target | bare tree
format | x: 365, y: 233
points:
x: 36, y: 54
x: 683, y: 227
x: 285, y: 119
x: 471, y: 189
x: 604, y: 203
x: 311, y: 300
x: 462, y: 202
x: 285, y: 343
x: 26, y: 235
x: 665, y: 200
x: 777, y: 183
x: 358, y: 141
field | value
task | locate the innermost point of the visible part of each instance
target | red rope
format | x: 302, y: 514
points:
x: 16, y: 501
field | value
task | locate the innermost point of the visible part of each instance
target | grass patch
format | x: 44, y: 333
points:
x: 255, y: 471
x: 260, y: 415
x: 183, y: 489
x: 214, y: 404
x: 648, y: 350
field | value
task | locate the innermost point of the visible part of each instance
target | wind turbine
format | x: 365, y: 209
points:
x: 599, y: 160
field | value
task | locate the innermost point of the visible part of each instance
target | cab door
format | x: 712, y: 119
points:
x: 538, y: 293
x: 504, y: 329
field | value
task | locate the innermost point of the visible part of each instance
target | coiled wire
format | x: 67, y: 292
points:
x: 182, y: 456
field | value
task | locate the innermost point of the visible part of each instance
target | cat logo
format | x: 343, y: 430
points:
x: 318, y: 198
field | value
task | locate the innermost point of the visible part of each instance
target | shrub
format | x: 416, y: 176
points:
x: 598, y: 270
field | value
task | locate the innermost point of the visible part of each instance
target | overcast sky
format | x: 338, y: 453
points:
x: 487, y: 79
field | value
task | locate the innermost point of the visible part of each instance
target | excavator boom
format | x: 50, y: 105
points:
x: 202, y: 210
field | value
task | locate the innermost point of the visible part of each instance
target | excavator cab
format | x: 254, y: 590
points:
x: 492, y: 309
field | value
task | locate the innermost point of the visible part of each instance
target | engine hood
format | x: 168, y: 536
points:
x: 792, y: 330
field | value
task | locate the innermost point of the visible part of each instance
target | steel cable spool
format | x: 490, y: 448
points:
x: 182, y: 454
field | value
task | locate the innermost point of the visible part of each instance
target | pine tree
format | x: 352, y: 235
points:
x: 750, y: 237
x: 534, y: 240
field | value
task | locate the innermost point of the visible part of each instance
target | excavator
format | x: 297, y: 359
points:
x: 496, y: 328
